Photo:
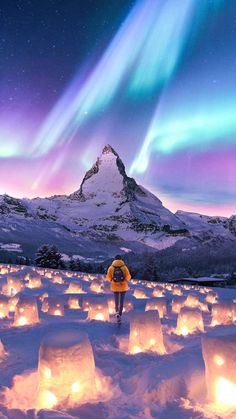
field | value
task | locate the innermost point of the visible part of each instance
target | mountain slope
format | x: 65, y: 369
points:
x: 109, y: 213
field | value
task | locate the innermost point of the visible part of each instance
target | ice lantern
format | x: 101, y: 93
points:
x: 98, y: 310
x: 219, y: 354
x: 66, y: 368
x: 177, y: 303
x: 34, y: 281
x: 157, y: 304
x: 73, y: 303
x: 146, y: 333
x: 140, y: 293
x: 222, y: 313
x: 26, y: 312
x: 189, y: 321
x: 75, y: 288
x: 14, y: 285
x: 53, y: 306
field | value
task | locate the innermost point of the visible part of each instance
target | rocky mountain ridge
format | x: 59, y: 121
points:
x: 109, y: 212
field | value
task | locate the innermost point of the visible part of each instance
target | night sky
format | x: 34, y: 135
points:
x: 156, y: 79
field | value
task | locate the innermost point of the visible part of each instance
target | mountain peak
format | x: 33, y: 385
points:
x: 107, y: 175
x: 108, y: 149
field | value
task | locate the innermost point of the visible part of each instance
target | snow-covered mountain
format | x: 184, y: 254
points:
x: 109, y: 213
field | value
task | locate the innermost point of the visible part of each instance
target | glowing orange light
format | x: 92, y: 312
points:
x: 218, y: 360
x: 225, y: 392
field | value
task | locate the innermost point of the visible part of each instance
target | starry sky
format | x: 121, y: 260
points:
x: 156, y: 79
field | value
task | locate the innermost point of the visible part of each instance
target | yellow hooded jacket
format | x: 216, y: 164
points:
x: 118, y: 286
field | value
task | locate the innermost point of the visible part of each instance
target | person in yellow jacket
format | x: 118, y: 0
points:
x: 118, y: 274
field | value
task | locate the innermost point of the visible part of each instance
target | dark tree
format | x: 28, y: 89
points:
x: 49, y: 257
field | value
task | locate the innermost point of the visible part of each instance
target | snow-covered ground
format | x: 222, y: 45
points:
x: 128, y: 383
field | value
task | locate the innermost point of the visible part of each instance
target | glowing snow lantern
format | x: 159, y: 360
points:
x: 75, y: 288
x: 73, y: 303
x: 211, y: 297
x: 53, y: 306
x: 26, y: 312
x: 222, y: 313
x: 219, y: 354
x: 48, y: 274
x: 158, y: 292
x: 4, y: 270
x: 98, y: 310
x: 189, y: 321
x: 4, y: 306
x: 66, y: 368
x: 139, y: 293
x: 192, y: 300
x: 177, y: 291
x: 57, y: 279
x: 14, y: 285
x: 177, y: 303
x: 96, y: 286
x: 157, y: 304
x: 146, y: 333
x: 34, y: 281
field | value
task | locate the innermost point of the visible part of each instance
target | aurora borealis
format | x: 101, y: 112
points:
x: 153, y: 78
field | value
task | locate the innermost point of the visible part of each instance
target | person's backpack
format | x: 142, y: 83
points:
x: 118, y: 275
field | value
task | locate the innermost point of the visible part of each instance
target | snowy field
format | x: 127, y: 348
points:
x: 173, y: 356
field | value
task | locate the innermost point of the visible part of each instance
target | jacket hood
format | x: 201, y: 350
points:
x: 117, y: 263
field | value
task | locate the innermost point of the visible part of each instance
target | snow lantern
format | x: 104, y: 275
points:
x: 139, y: 293
x: 189, y: 321
x: 158, y: 292
x: 48, y: 274
x: 211, y: 297
x: 98, y: 310
x: 14, y: 285
x: 66, y: 368
x: 53, y: 306
x: 34, y: 281
x: 192, y: 300
x: 177, y: 303
x: 4, y: 306
x: 26, y: 312
x: 96, y: 286
x: 57, y: 279
x: 222, y: 313
x: 177, y: 291
x: 157, y: 304
x: 73, y: 303
x: 146, y: 333
x: 219, y: 354
x: 75, y: 288
x: 4, y: 270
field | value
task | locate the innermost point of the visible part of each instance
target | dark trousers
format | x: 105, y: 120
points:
x: 119, y: 301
